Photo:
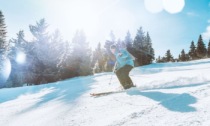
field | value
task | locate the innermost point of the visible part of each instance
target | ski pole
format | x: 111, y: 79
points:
x: 110, y: 79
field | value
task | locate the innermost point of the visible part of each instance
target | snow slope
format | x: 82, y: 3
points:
x: 168, y: 94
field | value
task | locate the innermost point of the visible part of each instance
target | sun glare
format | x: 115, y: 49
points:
x: 171, y: 6
x: 20, y: 58
x: 75, y: 15
x: 5, y: 69
x: 153, y: 6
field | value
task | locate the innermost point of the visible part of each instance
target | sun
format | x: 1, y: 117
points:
x: 73, y: 15
x: 83, y: 16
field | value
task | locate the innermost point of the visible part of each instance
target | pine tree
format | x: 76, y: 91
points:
x: 192, y: 52
x: 128, y: 41
x: 182, y: 56
x: 57, y: 47
x: 120, y: 44
x: 81, y: 58
x: 149, y: 49
x: 187, y: 57
x: 41, y: 59
x: 168, y: 56
x: 65, y: 62
x: 129, y: 45
x: 201, y: 49
x: 208, y: 50
x: 3, y: 51
x: 41, y: 42
x: 37, y: 51
x: 179, y: 58
x: 3, y: 42
x: 138, y: 45
x: 139, y: 39
x: 60, y: 52
x: 112, y: 36
x: 163, y: 60
x: 18, y: 71
x: 110, y: 42
x: 99, y: 59
x: 143, y: 48
x: 158, y: 60
x: 109, y: 57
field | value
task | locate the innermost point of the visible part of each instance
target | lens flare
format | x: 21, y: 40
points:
x: 153, y: 6
x: 5, y: 69
x: 173, y: 6
x: 20, y: 58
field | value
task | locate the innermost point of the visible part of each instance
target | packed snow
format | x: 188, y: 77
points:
x: 167, y: 94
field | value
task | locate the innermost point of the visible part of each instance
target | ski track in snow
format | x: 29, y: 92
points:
x: 168, y: 94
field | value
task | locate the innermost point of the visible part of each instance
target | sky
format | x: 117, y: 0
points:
x: 172, y: 24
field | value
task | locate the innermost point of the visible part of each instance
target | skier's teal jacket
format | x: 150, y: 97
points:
x: 123, y: 57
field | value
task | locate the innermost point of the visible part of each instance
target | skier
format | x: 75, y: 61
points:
x: 124, y: 64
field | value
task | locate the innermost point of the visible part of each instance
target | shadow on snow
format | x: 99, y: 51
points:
x: 171, y: 101
x: 67, y: 91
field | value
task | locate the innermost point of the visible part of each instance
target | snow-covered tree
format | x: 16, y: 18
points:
x: 128, y: 40
x: 110, y: 42
x: 57, y: 48
x: 99, y: 59
x: 39, y: 52
x: 17, y: 55
x: 112, y: 36
x: 3, y: 50
x: 109, y: 57
x: 120, y: 44
x: 3, y: 42
x: 41, y: 41
x: 81, y: 58
x: 43, y: 53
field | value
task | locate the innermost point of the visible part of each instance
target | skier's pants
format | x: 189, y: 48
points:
x: 123, y: 76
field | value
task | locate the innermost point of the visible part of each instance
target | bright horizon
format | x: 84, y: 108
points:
x: 172, y: 24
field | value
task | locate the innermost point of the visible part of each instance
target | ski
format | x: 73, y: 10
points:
x: 111, y: 92
x: 106, y: 93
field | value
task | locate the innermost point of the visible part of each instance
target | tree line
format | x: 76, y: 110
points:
x: 196, y: 51
x: 140, y: 47
x: 49, y: 58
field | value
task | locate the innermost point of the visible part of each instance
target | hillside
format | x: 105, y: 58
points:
x: 168, y: 94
